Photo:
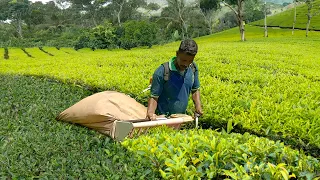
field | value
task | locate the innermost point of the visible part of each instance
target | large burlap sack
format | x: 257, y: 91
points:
x: 100, y: 111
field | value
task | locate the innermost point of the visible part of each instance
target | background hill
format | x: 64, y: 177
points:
x: 285, y: 19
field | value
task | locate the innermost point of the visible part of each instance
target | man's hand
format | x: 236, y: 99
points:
x: 197, y: 103
x: 151, y: 116
x: 199, y: 111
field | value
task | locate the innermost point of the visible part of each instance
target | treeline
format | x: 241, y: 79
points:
x: 101, y: 24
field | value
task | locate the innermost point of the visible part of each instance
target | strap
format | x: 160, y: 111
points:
x: 166, y: 71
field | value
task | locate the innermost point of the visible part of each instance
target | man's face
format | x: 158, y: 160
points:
x: 183, y: 61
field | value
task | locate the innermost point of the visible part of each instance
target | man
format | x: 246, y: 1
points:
x: 173, y: 82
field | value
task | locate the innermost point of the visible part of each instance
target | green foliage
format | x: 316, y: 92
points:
x: 253, y: 10
x: 206, y: 154
x: 229, y: 20
x: 253, y: 15
x: 207, y: 5
x: 103, y: 36
x: 132, y: 34
x: 176, y: 36
x: 153, y: 6
x: 34, y: 145
x: 5, y: 34
x: 138, y: 33
x: 99, y: 37
x: 83, y: 42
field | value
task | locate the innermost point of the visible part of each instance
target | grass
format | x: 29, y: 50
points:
x: 285, y: 19
x: 35, y: 145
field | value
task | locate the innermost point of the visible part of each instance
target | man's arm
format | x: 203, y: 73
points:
x: 155, y: 90
x: 197, y: 101
x: 152, y: 106
x: 196, y: 91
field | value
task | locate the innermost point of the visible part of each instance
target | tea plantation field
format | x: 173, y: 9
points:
x: 264, y: 87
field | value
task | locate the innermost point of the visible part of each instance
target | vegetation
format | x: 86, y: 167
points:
x: 34, y: 145
x: 206, y: 154
x: 102, y: 24
x: 285, y: 19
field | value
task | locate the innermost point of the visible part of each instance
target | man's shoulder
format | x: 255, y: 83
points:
x: 159, y: 71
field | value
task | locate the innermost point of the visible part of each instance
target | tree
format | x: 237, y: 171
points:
x: 310, y: 14
x: 152, y: 7
x: 295, y: 15
x: 237, y: 7
x: 177, y: 14
x: 4, y: 9
x: 88, y: 8
x: 118, y: 9
x: 15, y: 11
x: 36, y: 15
x: 103, y: 36
x: 265, y: 19
x: 138, y: 33
x: 126, y: 9
x: 253, y: 10
x: 207, y: 8
x: 5, y: 33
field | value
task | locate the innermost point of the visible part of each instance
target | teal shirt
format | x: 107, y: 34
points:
x: 173, y: 95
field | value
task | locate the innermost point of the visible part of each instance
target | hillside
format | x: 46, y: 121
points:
x: 285, y: 19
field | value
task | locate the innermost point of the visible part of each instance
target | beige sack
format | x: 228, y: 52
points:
x: 100, y: 111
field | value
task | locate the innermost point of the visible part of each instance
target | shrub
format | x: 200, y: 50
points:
x: 138, y: 33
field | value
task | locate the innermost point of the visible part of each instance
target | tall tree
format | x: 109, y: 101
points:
x: 36, y: 15
x: 253, y: 10
x: 265, y: 19
x: 126, y: 9
x: 294, y: 16
x: 118, y: 9
x: 207, y: 8
x: 310, y: 14
x: 88, y: 10
x: 237, y: 7
x: 4, y: 9
x: 151, y: 7
x: 16, y: 11
x: 177, y: 12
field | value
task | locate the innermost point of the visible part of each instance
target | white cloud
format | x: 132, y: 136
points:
x: 43, y: 1
x: 61, y: 6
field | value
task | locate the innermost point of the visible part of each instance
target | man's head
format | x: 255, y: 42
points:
x: 186, y: 53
